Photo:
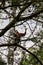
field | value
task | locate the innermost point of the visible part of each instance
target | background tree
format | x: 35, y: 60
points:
x: 20, y: 15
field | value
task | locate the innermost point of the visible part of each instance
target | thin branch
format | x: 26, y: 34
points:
x: 38, y: 20
x: 3, y: 54
x: 8, y: 13
x: 6, y: 18
x: 21, y: 40
x: 23, y: 9
x: 20, y: 23
x: 18, y: 5
x: 31, y: 16
x: 3, y: 45
x: 15, y: 20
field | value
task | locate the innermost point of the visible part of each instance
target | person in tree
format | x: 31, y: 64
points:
x: 17, y: 36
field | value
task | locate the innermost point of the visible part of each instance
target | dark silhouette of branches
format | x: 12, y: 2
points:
x: 18, y: 4
x: 3, y: 45
x: 23, y: 9
x: 38, y: 20
x: 3, y: 54
x: 17, y: 20
x: 31, y: 16
x: 14, y: 5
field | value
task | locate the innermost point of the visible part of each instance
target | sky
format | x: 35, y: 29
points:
x: 32, y: 23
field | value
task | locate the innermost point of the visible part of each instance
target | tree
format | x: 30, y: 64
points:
x: 22, y: 13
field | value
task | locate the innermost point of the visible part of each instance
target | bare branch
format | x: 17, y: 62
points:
x: 16, y: 19
x: 31, y: 16
x: 23, y: 9
x: 4, y: 45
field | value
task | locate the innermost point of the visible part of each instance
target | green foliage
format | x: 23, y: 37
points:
x: 30, y: 60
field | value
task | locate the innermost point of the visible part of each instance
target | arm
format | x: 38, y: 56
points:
x: 23, y: 34
x: 20, y: 34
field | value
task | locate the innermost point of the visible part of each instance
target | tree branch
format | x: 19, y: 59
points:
x: 23, y: 9
x: 31, y: 16
x: 16, y: 19
x: 18, y: 5
x: 3, y: 45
